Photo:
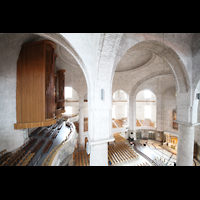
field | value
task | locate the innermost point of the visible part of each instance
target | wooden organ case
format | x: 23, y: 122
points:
x: 61, y: 89
x: 35, y: 96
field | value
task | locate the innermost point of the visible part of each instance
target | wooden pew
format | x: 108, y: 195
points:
x: 121, y: 159
x: 113, y: 154
x: 47, y: 147
x: 121, y: 152
x: 129, y: 150
x: 110, y: 158
x: 80, y: 159
x: 125, y: 151
x: 83, y: 158
x: 86, y: 158
x: 4, y: 157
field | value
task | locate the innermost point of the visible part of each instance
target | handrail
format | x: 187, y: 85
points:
x: 3, y: 152
x: 52, y: 159
x: 73, y: 119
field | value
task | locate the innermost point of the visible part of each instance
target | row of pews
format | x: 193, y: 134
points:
x: 146, y: 122
x: 24, y: 155
x: 81, y: 158
x: 47, y: 147
x: 120, y: 152
x: 4, y: 156
x: 119, y: 123
x: 16, y: 157
x: 117, y: 153
x: 143, y: 164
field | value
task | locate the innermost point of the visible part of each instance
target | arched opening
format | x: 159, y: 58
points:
x: 151, y: 135
x: 120, y: 115
x: 135, y: 64
x: 146, y: 109
x: 65, y: 58
x: 120, y: 109
x: 197, y: 128
x: 71, y: 103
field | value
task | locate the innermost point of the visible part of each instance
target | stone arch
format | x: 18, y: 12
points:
x: 169, y: 56
x: 196, y: 102
x: 134, y: 90
x: 124, y: 90
x: 145, y: 89
x: 60, y: 40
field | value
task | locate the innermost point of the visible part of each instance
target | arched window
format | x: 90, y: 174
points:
x: 146, y: 109
x: 68, y: 92
x: 120, y: 109
x: 68, y: 110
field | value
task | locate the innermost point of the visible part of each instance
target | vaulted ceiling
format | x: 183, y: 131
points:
x: 141, y: 57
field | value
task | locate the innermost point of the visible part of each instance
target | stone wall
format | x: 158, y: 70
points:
x: 10, y: 138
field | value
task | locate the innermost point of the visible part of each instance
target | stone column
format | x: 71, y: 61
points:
x: 186, y: 121
x: 81, y: 135
x: 99, y: 155
x: 185, y: 145
x: 132, y: 115
x: 159, y: 113
x: 100, y: 99
x: 100, y: 133
x: 134, y: 118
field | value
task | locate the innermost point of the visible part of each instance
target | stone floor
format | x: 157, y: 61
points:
x: 162, y: 155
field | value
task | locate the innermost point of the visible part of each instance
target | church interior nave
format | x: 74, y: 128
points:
x: 99, y: 99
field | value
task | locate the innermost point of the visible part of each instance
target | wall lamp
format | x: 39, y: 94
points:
x: 102, y: 94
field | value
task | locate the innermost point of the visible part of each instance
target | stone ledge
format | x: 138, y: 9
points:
x: 187, y: 124
x: 101, y: 141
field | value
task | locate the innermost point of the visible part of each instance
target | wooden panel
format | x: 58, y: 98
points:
x: 34, y: 124
x: 35, y: 84
x: 18, y: 89
x: 50, y: 78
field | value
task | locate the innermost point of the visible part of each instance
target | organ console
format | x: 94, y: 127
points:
x: 36, y: 85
